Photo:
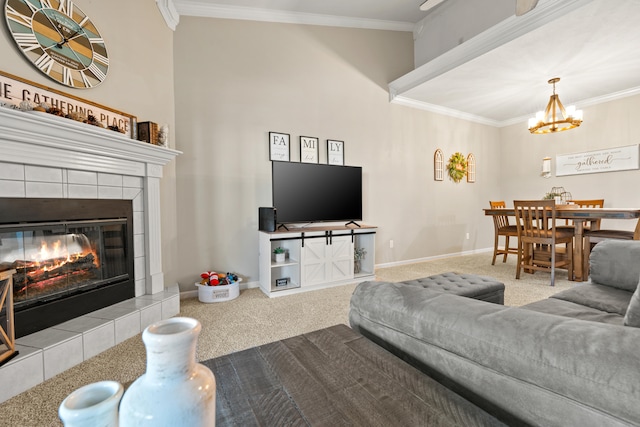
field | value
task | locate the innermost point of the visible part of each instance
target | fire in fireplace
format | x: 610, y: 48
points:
x: 71, y: 257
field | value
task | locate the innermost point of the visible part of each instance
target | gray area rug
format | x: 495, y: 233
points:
x: 253, y: 319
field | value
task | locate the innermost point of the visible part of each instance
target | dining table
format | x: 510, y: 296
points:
x: 580, y: 217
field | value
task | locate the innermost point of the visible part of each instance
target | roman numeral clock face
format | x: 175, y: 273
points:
x: 59, y: 40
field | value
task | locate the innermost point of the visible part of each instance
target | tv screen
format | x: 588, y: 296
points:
x: 311, y: 192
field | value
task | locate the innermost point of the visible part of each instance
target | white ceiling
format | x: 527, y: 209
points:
x: 594, y: 48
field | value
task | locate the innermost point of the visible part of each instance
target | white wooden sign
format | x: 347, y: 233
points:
x: 15, y: 89
x: 607, y: 160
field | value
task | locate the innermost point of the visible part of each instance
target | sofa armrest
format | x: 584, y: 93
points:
x: 520, y: 365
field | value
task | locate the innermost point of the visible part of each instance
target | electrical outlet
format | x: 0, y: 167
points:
x: 467, y: 236
x: 391, y: 244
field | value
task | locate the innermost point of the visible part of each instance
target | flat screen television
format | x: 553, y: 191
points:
x: 312, y: 192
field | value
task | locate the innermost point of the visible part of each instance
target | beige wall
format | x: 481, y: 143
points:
x: 139, y: 82
x: 238, y: 80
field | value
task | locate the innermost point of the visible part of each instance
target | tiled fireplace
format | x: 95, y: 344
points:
x: 48, y: 158
x: 70, y: 257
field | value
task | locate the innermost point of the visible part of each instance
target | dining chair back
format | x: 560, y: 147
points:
x: 591, y: 203
x: 502, y: 227
x: 539, y: 238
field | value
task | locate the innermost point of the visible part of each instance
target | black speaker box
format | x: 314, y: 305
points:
x: 267, y: 219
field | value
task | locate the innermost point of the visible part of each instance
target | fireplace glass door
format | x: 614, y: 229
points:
x: 56, y: 260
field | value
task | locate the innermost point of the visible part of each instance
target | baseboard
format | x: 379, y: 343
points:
x: 251, y: 285
x: 432, y: 258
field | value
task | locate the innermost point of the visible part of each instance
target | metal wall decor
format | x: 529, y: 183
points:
x: 471, y: 168
x: 438, y: 165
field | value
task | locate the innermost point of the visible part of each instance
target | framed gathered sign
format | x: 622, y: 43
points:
x: 335, y: 152
x: 308, y: 149
x: 279, y: 147
x: 607, y: 160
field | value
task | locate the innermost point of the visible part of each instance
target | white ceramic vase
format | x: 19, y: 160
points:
x: 174, y: 390
x: 94, y: 405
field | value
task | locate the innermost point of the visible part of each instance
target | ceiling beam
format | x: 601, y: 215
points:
x: 506, y: 31
x: 209, y: 10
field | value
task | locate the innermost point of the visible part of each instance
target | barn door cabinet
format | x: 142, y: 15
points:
x: 316, y: 258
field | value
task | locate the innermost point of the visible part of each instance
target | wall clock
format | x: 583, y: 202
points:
x: 60, y: 40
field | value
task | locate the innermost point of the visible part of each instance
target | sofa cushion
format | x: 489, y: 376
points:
x: 632, y: 317
x: 576, y: 311
x: 599, y: 297
x: 616, y: 263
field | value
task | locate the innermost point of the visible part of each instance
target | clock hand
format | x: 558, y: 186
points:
x: 75, y: 35
x: 55, y: 27
x: 77, y: 57
x: 65, y: 39
x: 71, y: 37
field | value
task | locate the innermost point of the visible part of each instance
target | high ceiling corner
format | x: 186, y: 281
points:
x: 498, y: 76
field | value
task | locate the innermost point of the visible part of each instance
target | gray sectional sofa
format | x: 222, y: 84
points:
x: 569, y: 360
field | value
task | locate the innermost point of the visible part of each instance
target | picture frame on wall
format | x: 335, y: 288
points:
x: 279, y: 146
x: 335, y: 152
x: 309, y: 149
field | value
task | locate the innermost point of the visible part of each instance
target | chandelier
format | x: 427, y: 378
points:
x: 555, y: 118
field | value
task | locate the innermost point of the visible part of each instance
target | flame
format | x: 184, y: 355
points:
x: 55, y: 256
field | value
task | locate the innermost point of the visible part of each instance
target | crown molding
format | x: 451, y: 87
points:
x: 408, y: 102
x: 169, y: 13
x: 194, y: 8
x: 450, y: 112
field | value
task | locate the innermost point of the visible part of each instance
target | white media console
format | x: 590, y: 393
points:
x: 316, y: 258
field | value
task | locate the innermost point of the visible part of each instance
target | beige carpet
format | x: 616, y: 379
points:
x: 253, y: 319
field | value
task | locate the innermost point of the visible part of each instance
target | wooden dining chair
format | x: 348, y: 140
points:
x: 503, y: 228
x: 539, y: 239
x: 590, y: 203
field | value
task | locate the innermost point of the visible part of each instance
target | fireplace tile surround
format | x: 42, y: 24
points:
x: 44, y: 156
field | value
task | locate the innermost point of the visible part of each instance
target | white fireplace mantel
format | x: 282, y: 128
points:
x: 40, y: 139
x: 43, y: 139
